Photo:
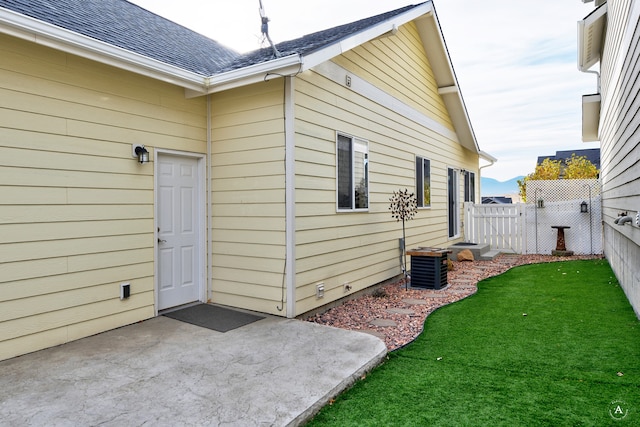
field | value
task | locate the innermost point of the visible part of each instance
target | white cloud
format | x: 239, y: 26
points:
x: 515, y: 61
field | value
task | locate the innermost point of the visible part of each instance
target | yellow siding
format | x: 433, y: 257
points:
x: 362, y: 248
x: 76, y: 210
x: 248, y: 204
x: 399, y: 66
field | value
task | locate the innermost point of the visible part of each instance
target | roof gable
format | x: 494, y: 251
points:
x: 124, y: 35
x: 314, y: 42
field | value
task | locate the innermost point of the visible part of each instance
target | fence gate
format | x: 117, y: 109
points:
x: 501, y: 226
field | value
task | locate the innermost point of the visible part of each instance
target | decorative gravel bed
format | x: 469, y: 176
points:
x: 397, y: 315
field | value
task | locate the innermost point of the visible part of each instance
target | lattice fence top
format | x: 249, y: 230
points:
x: 562, y: 190
x: 557, y: 202
x: 573, y: 204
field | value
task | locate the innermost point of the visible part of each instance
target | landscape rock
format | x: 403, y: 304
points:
x: 356, y: 314
x: 465, y: 255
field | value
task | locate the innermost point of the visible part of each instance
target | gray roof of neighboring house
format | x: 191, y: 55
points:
x: 496, y: 200
x: 128, y: 26
x: 592, y: 154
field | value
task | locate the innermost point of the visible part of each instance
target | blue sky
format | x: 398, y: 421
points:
x: 515, y: 60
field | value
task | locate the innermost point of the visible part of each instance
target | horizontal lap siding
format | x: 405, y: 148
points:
x: 76, y: 209
x: 620, y: 144
x: 379, y: 61
x: 362, y: 247
x: 248, y: 204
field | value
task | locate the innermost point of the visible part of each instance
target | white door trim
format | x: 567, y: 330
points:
x: 201, y: 209
x: 455, y: 210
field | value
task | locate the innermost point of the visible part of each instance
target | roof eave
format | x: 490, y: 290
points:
x: 436, y: 49
x: 287, y: 65
x: 43, y: 33
x: 488, y: 157
x: 36, y: 31
x: 293, y: 64
x: 590, y: 37
x: 591, y: 117
x: 389, y: 26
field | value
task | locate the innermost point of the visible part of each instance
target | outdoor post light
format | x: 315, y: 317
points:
x: 584, y: 207
x: 141, y: 153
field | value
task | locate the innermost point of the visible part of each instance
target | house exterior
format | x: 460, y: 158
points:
x: 496, y: 200
x: 591, y: 154
x: 608, y: 36
x: 269, y: 176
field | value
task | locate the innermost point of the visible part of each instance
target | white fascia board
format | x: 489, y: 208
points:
x: 488, y: 157
x: 460, y: 119
x: 293, y: 64
x: 36, y: 31
x: 448, y: 89
x: 435, y: 46
x: 590, y: 37
x: 591, y: 117
x: 279, y: 67
x: 433, y: 41
x: 389, y: 26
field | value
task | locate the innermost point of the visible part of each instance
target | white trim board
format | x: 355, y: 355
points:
x: 337, y: 74
x: 290, y: 196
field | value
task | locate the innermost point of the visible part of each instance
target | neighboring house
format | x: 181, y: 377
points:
x: 591, y: 154
x: 609, y: 35
x: 267, y: 175
x: 496, y: 200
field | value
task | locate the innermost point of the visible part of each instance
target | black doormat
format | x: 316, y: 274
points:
x: 213, y: 317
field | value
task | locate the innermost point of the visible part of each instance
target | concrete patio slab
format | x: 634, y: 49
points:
x: 164, y: 372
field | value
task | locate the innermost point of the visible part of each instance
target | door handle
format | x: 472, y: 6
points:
x: 161, y: 241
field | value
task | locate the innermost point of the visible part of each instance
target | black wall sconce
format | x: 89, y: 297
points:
x: 584, y: 207
x: 141, y: 153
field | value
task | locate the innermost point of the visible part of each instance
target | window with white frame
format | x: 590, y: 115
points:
x: 469, y: 187
x: 423, y: 181
x: 353, y: 173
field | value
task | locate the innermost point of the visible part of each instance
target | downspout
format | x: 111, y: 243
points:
x: 597, y: 74
x: 208, y: 200
x: 492, y: 160
x: 290, y: 193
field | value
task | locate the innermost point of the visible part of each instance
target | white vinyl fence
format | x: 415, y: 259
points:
x: 527, y: 228
x: 501, y: 226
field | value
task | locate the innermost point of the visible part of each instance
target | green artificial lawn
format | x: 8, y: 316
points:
x: 482, y: 361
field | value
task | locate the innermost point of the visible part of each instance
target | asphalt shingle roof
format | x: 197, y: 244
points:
x: 312, y: 42
x: 133, y: 28
x: 592, y: 154
x: 126, y: 25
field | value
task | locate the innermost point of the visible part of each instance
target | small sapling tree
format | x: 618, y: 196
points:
x: 404, y: 206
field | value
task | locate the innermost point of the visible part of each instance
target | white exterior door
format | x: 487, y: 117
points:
x: 179, y: 278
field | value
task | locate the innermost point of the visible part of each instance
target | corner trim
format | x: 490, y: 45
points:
x: 290, y: 195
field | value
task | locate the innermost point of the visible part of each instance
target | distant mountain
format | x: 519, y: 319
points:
x: 493, y: 187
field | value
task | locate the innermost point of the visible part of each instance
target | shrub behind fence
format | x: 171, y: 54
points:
x: 526, y: 227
